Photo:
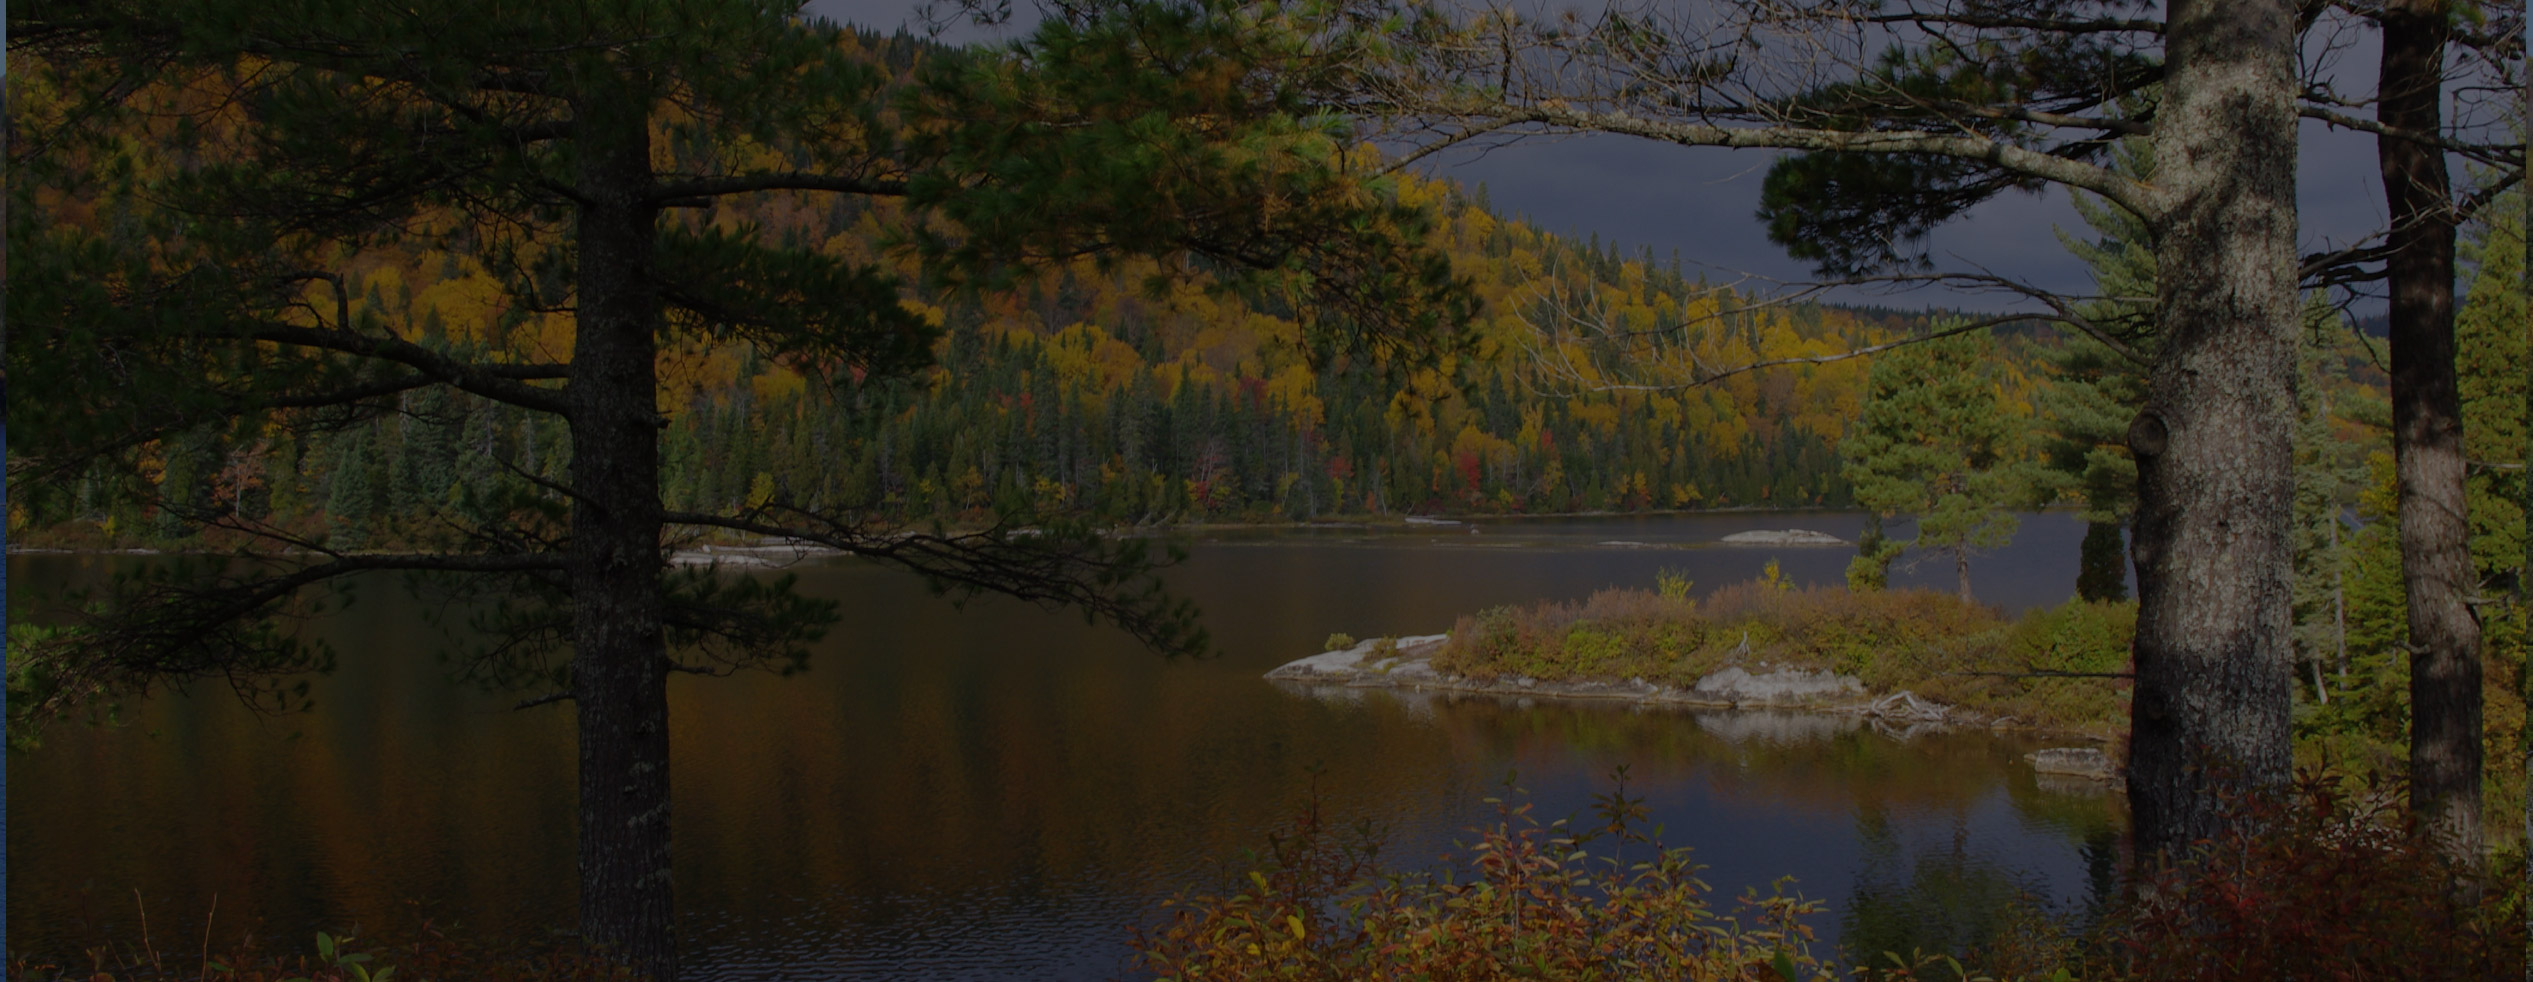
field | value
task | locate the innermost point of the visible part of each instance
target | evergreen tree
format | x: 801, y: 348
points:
x: 2492, y: 349
x: 564, y: 149
x: 355, y: 498
x: 2494, y: 356
x: 426, y: 458
x: 2097, y: 390
x: 2327, y: 473
x: 1937, y: 442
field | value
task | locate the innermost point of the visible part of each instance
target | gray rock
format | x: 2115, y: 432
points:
x: 1348, y: 664
x: 1783, y: 687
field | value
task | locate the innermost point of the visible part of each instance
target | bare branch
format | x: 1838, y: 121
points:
x: 1031, y: 565
x: 2137, y: 197
x: 679, y: 191
x: 2494, y: 154
x: 2006, y: 22
x: 499, y: 382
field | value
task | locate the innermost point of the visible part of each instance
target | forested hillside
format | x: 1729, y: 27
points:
x: 1082, y: 392
x: 1114, y: 392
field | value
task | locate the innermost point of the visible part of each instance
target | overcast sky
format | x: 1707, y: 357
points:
x: 1703, y: 201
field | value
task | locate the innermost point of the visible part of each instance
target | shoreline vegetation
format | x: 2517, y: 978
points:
x: 1902, y: 656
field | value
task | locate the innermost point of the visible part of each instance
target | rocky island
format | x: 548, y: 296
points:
x: 1406, y: 664
x: 1783, y: 537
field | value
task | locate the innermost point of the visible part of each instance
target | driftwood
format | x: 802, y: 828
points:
x: 1905, y: 706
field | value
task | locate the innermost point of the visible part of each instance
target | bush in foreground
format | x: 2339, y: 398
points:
x: 2331, y: 886
x: 1531, y: 900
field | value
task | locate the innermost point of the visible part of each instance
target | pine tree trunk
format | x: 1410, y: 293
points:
x: 2215, y: 468
x: 2437, y: 575
x: 620, y: 683
x: 1961, y: 569
x: 2524, y: 574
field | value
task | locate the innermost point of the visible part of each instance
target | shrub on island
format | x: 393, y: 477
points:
x: 2060, y: 667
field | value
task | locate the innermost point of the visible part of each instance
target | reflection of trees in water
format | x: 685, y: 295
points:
x: 1952, y: 900
x: 1807, y: 759
x: 2102, y: 865
x: 1946, y: 901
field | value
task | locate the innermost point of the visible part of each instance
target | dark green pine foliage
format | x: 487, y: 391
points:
x: 1936, y: 442
x: 356, y: 496
x: 2494, y: 341
x: 430, y: 426
x: 2329, y: 472
x: 2492, y: 350
x: 2095, y: 390
x: 1869, y: 213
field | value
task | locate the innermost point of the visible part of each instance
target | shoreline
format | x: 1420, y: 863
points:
x: 1332, y: 521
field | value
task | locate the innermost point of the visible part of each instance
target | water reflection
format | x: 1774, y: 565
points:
x: 996, y: 791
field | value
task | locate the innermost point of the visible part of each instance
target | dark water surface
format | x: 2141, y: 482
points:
x: 1002, y: 792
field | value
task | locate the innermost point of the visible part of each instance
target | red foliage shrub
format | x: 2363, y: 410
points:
x: 2328, y: 886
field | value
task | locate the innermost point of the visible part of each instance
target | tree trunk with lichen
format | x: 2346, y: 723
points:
x: 2215, y: 468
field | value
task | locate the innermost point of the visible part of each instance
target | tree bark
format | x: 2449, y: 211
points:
x: 619, y: 663
x: 2437, y: 575
x: 1961, y: 568
x: 2215, y: 467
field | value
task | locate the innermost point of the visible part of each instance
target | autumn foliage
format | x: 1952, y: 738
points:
x: 2327, y: 885
x: 1124, y: 391
x: 1531, y: 899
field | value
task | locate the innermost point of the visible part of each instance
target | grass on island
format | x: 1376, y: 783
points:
x: 1933, y: 644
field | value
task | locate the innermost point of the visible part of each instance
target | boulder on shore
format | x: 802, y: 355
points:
x: 1783, y: 687
x: 1385, y: 655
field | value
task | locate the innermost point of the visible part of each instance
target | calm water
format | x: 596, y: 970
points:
x: 1002, y: 792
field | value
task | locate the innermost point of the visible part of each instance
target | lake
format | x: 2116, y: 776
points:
x: 1002, y: 792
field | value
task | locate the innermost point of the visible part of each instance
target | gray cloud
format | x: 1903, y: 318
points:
x: 1703, y: 202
